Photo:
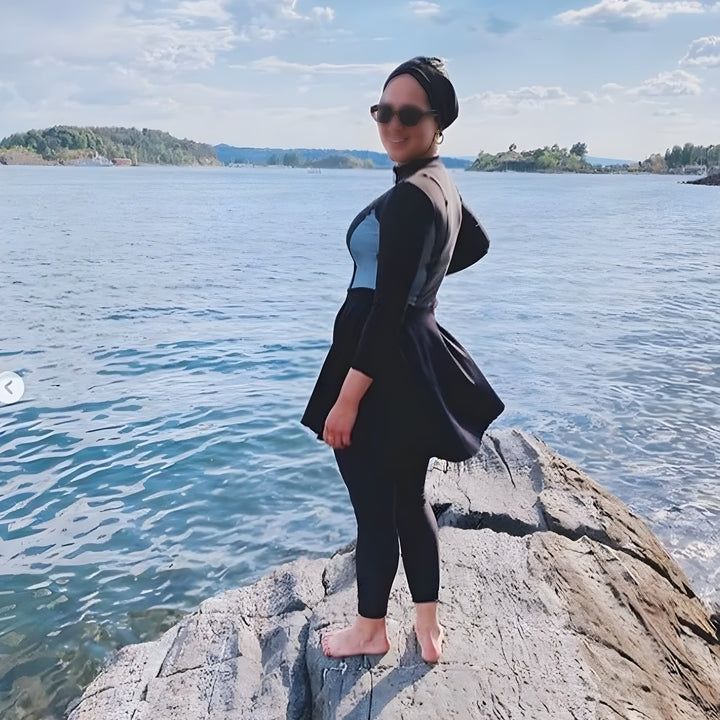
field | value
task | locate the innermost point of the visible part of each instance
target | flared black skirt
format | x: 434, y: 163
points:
x: 430, y: 397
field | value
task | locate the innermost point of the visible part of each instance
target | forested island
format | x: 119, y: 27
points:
x: 686, y: 160
x: 69, y: 145
x: 689, y: 160
x: 546, y: 159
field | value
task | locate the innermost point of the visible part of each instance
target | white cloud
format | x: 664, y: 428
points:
x: 427, y: 10
x: 270, y: 20
x: 610, y: 92
x: 170, y: 40
x: 202, y: 9
x: 112, y: 29
x: 171, y: 49
x: 275, y: 64
x: 538, y: 94
x: 263, y: 33
x: 512, y: 101
x: 48, y: 63
x: 323, y: 13
x: 629, y: 14
x: 588, y: 97
x: 287, y: 9
x: 704, y: 52
x: 677, y: 82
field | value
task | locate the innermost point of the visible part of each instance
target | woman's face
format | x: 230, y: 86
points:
x: 403, y: 143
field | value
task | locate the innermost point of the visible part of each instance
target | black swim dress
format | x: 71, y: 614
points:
x: 427, y: 393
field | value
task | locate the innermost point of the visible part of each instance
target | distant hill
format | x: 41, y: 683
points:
x: 313, y: 157
x: 607, y: 162
x: 67, y: 144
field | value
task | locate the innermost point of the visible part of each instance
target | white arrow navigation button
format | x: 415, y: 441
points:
x: 12, y: 387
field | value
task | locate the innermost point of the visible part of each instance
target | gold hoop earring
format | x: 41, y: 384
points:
x: 439, y: 137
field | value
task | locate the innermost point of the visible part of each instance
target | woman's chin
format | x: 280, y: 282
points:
x: 401, y: 153
x: 398, y: 152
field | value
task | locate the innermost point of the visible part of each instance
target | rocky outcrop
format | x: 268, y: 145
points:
x: 708, y: 180
x: 558, y: 603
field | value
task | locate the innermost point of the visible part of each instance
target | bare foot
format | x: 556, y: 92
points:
x: 430, y: 640
x: 366, y: 636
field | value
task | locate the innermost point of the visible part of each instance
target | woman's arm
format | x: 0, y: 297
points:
x: 406, y: 220
x: 341, y: 418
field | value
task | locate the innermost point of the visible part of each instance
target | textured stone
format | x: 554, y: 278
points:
x: 558, y: 604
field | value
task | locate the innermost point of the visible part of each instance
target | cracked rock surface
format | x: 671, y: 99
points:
x: 558, y: 604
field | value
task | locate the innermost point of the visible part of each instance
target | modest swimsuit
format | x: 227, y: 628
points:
x: 427, y: 398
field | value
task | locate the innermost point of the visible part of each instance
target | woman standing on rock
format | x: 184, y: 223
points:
x: 396, y: 389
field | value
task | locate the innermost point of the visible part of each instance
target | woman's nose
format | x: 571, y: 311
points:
x: 395, y: 123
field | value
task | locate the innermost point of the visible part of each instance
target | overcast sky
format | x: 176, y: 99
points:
x: 627, y: 77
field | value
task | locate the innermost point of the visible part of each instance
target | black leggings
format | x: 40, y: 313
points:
x: 387, y: 491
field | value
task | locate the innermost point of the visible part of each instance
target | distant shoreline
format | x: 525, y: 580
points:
x: 337, y: 161
x: 19, y: 157
x: 597, y: 170
x: 62, y: 145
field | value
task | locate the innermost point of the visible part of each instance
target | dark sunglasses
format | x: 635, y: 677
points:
x: 408, y: 115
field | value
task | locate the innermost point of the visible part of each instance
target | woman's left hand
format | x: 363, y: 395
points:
x: 339, y: 424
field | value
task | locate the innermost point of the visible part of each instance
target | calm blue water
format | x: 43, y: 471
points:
x: 169, y: 323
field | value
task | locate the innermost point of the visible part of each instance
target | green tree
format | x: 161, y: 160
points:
x: 687, y: 153
x: 673, y: 158
x: 292, y: 159
x: 484, y: 161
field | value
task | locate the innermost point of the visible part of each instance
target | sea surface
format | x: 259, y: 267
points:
x: 169, y: 323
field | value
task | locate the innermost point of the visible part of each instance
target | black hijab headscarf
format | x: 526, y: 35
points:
x: 431, y: 74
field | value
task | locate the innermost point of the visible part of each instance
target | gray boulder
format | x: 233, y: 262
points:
x: 557, y: 601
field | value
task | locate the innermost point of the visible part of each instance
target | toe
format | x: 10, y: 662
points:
x: 326, y: 647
